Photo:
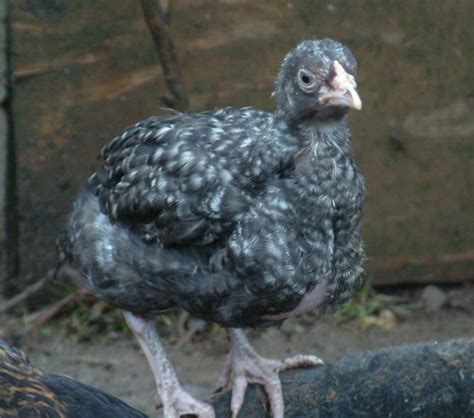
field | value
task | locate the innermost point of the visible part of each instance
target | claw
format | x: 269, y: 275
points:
x: 157, y: 401
x: 224, y: 379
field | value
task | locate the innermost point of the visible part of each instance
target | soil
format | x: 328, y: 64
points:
x: 113, y: 361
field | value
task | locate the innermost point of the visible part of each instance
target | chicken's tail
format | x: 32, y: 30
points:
x: 66, y: 240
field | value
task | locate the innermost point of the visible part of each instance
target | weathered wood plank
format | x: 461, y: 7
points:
x: 444, y: 268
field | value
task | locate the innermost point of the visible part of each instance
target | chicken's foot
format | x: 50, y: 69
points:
x: 176, y: 401
x: 243, y: 366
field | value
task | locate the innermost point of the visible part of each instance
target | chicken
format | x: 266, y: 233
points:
x: 239, y: 216
x: 28, y: 392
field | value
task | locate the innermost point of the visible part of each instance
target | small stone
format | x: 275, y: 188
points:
x: 385, y: 320
x: 388, y: 320
x: 289, y: 327
x: 433, y: 298
x: 462, y: 299
x: 197, y: 324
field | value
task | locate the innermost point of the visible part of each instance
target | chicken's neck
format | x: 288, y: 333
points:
x: 324, y: 131
x: 321, y: 141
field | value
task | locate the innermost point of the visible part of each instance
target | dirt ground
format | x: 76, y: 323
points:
x: 114, y: 363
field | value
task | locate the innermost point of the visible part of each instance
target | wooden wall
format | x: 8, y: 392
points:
x: 84, y: 70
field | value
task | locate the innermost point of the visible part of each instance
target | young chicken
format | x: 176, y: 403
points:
x: 239, y: 216
x: 28, y: 392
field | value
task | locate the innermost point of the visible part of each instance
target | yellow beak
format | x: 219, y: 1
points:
x: 343, y: 90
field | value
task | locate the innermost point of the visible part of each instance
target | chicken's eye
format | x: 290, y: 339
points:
x: 306, y: 80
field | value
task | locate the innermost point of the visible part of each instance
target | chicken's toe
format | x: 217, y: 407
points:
x: 180, y: 402
x: 238, y: 394
x: 300, y: 360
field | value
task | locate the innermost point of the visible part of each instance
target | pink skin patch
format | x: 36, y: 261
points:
x: 309, y: 302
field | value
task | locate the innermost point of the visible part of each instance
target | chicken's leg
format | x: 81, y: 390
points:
x: 175, y: 399
x: 243, y: 366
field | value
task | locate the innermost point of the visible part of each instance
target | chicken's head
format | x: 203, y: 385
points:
x: 317, y: 81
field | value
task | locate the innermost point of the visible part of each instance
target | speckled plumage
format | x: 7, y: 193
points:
x: 233, y: 214
x: 239, y: 216
x: 27, y: 392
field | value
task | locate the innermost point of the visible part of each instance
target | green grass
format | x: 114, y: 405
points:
x: 368, y: 302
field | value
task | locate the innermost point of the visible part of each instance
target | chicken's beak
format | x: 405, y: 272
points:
x: 343, y: 90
